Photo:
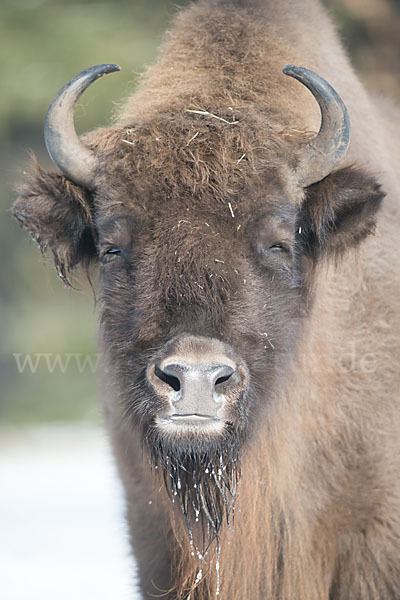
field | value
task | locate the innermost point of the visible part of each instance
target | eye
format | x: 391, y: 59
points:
x: 282, y: 246
x: 111, y: 253
x: 272, y: 240
x: 276, y: 254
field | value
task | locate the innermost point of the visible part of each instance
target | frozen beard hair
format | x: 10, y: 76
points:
x: 201, y: 478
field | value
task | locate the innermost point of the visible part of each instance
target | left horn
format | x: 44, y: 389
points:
x: 330, y: 145
x: 74, y: 159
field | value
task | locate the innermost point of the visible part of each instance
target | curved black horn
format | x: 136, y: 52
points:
x: 330, y: 145
x: 74, y: 159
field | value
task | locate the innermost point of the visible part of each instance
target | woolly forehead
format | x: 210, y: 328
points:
x: 200, y: 164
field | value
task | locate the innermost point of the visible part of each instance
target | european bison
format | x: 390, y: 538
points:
x: 250, y: 321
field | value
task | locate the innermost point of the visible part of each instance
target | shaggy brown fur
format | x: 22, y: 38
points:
x: 195, y: 204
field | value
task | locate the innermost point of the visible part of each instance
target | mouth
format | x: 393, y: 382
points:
x: 194, y: 422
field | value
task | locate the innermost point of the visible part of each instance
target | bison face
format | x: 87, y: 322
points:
x: 203, y: 306
x: 207, y: 250
x: 202, y: 301
x: 199, y: 301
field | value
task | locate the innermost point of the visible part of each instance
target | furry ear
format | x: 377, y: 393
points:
x: 338, y: 212
x: 57, y: 214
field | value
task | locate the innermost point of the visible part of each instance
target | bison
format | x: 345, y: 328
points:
x: 250, y: 318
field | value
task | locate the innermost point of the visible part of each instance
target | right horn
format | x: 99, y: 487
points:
x: 329, y: 146
x: 74, y: 159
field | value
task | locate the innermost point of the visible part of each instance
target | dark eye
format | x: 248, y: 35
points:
x: 277, y: 253
x: 279, y: 247
x: 111, y: 253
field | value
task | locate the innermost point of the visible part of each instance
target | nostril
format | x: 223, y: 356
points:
x: 223, y: 379
x: 223, y: 374
x: 170, y: 380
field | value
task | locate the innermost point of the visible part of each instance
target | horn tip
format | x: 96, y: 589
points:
x: 287, y: 68
x: 104, y: 69
x: 111, y: 68
x: 292, y: 70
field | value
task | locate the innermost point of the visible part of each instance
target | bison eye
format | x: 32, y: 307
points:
x: 278, y: 254
x: 280, y: 247
x: 111, y: 253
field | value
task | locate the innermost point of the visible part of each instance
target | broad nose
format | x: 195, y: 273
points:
x: 197, y: 384
x: 194, y: 389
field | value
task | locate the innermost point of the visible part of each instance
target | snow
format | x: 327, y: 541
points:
x: 62, y: 531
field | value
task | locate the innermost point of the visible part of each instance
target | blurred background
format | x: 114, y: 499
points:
x: 49, y: 407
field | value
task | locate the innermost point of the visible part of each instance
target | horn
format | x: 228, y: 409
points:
x: 330, y: 145
x: 74, y: 159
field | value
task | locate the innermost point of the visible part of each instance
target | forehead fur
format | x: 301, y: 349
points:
x: 196, y: 159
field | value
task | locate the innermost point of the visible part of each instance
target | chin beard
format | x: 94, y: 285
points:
x: 201, y: 477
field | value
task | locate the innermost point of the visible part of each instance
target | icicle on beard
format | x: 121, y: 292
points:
x: 201, y: 477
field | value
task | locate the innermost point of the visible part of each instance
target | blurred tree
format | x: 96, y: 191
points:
x: 371, y: 32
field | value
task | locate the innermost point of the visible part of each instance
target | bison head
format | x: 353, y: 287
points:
x: 208, y: 225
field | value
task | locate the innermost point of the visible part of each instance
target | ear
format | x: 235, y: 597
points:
x: 338, y: 212
x: 57, y: 213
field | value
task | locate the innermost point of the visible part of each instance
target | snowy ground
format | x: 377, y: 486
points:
x: 62, y: 534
